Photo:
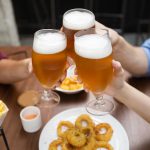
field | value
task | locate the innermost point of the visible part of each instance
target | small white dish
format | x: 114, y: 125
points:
x: 69, y: 91
x: 70, y: 73
x: 34, y: 124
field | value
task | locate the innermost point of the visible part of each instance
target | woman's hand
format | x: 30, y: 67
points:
x: 118, y: 79
x: 117, y: 82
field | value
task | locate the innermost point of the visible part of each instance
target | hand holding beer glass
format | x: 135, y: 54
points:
x: 49, y: 62
x: 94, y: 66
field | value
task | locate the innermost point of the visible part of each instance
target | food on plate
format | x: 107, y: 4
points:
x: 103, y: 144
x: 76, y: 138
x: 71, y: 83
x: 55, y: 144
x: 103, y: 132
x: 90, y: 135
x: 2, y: 107
x: 84, y: 121
x: 84, y: 135
x: 3, y: 111
x: 60, y: 129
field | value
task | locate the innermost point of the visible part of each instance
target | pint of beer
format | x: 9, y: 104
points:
x: 94, y: 59
x: 49, y: 56
x: 73, y: 21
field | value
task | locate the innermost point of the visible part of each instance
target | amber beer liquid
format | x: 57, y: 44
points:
x: 49, y: 58
x: 94, y: 61
x: 73, y: 21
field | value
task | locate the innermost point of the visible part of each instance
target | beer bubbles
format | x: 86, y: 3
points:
x: 78, y: 20
x: 97, y: 47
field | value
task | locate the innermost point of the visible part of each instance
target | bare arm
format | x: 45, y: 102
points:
x: 128, y: 95
x: 12, y: 71
x: 136, y: 100
x: 132, y: 58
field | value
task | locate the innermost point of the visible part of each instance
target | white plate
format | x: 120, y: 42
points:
x: 70, y: 72
x: 119, y: 140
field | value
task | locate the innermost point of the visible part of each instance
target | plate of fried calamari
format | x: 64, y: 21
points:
x: 75, y: 129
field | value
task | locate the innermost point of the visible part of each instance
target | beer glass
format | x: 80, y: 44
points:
x: 49, y: 61
x: 94, y: 66
x: 73, y: 21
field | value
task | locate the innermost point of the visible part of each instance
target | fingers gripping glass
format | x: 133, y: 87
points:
x: 94, y: 67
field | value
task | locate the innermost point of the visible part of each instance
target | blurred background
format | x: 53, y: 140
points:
x: 19, y: 19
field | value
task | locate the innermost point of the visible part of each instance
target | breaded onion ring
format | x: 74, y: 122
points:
x: 90, y: 136
x: 67, y: 124
x: 67, y: 146
x: 84, y: 118
x: 90, y: 144
x: 76, y: 138
x: 88, y: 132
x: 103, y: 136
x: 54, y: 145
x: 103, y: 144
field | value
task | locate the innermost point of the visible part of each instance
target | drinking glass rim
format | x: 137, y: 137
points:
x: 79, y: 9
x: 77, y: 34
x: 55, y: 31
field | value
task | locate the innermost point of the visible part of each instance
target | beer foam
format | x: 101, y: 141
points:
x: 93, y: 46
x: 78, y: 20
x: 49, y: 43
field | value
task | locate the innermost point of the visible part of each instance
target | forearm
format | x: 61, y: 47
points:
x: 135, y: 100
x: 12, y: 71
x: 132, y: 58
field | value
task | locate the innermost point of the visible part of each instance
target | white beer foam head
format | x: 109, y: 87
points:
x: 93, y: 46
x: 78, y: 20
x: 49, y: 43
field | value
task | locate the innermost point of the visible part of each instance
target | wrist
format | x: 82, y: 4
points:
x: 121, y: 94
x: 120, y: 91
x: 117, y: 46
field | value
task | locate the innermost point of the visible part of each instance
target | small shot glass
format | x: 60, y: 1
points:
x: 31, y: 119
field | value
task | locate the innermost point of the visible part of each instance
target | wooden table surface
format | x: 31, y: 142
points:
x: 137, y: 129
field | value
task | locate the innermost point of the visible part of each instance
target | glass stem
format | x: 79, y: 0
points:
x: 100, y: 101
x: 46, y: 95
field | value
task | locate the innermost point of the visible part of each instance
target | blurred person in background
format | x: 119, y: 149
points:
x: 13, y: 71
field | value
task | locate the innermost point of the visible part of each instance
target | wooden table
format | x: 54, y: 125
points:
x: 137, y: 129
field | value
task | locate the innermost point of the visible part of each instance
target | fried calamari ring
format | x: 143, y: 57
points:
x: 103, y: 144
x: 90, y: 136
x: 66, y: 124
x: 62, y: 143
x: 90, y: 144
x: 76, y: 138
x: 103, y: 136
x: 67, y: 146
x: 88, y: 132
x: 54, y: 145
x: 84, y: 118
